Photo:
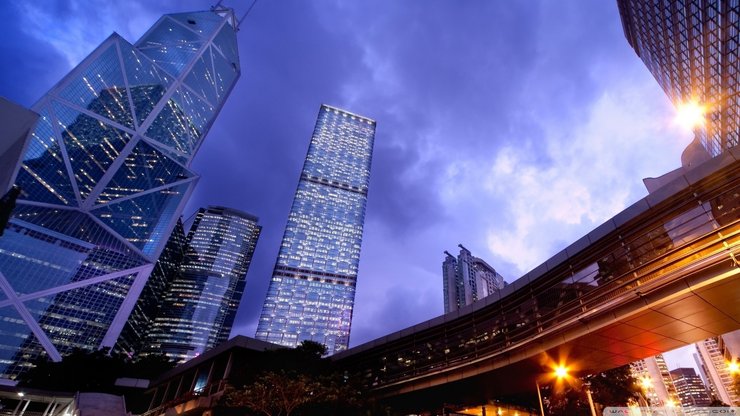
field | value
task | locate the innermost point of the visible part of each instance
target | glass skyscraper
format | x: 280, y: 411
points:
x: 104, y: 180
x: 196, y: 311
x: 312, y: 291
x: 691, y: 48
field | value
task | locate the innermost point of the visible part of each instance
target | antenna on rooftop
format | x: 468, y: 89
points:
x: 239, y: 23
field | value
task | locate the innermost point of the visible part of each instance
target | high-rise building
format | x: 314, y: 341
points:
x: 691, y: 391
x: 691, y: 48
x: 312, y: 291
x: 711, y: 357
x: 166, y: 269
x: 467, y: 279
x: 104, y: 179
x: 655, y: 381
x: 197, y: 310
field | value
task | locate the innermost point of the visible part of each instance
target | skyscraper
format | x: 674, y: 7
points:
x: 104, y: 179
x: 467, y: 279
x: 655, y: 381
x: 691, y: 391
x: 312, y: 291
x: 715, y: 366
x: 197, y: 310
x: 166, y: 269
x: 691, y: 48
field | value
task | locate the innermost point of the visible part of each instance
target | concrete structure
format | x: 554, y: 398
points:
x: 196, y: 386
x: 655, y: 380
x: 104, y: 179
x: 197, y: 310
x: 713, y: 358
x: 467, y: 279
x: 691, y: 48
x: 312, y: 291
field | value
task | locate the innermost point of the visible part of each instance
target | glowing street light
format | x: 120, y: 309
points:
x: 733, y: 367
x: 561, y: 372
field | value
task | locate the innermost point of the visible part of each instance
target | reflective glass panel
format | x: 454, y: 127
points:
x: 100, y: 88
x: 91, y: 144
x: 170, y: 45
x: 43, y: 176
x: 145, y: 168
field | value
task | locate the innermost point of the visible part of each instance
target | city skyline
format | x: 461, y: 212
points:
x: 429, y: 123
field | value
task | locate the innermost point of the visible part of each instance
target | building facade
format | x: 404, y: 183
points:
x: 467, y: 279
x: 689, y: 387
x: 104, y: 179
x: 196, y: 312
x: 311, y: 294
x: 713, y: 359
x: 691, y: 48
x: 655, y: 380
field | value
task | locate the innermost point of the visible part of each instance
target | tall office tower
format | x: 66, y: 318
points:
x: 197, y: 310
x: 691, y: 48
x: 141, y: 321
x: 104, y: 179
x: 466, y: 279
x: 312, y: 291
x: 691, y: 391
x: 655, y: 381
x: 714, y: 365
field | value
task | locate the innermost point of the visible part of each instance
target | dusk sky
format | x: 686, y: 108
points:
x: 513, y: 128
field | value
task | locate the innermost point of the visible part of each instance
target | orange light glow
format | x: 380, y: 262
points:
x: 733, y: 367
x: 690, y: 114
x: 561, y: 371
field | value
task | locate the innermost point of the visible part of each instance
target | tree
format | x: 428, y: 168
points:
x: 294, y: 381
x: 615, y: 387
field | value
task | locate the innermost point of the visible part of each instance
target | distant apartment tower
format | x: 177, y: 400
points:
x: 655, y: 381
x: 312, y: 291
x: 197, y: 310
x: 467, y: 279
x: 104, y: 178
x: 714, y: 361
x: 691, y: 48
x: 689, y: 387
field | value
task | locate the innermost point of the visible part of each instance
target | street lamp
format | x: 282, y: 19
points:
x: 733, y: 367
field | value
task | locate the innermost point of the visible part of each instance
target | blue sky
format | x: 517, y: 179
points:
x: 513, y: 128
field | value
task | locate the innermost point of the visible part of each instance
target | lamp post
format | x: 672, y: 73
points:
x: 539, y: 396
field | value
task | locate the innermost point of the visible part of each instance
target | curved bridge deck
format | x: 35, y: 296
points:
x: 659, y: 275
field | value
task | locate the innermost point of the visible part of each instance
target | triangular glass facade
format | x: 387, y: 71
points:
x: 104, y: 178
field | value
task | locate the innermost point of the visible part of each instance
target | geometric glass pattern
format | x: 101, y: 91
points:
x: 103, y: 181
x: 312, y: 291
x: 197, y: 310
x: 691, y: 48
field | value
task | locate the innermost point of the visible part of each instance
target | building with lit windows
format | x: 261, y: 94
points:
x: 104, y: 179
x: 655, y: 380
x: 467, y: 279
x: 312, y: 291
x: 714, y: 361
x: 141, y: 321
x: 197, y: 310
x: 689, y: 387
x: 691, y: 48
